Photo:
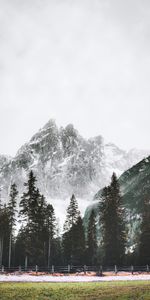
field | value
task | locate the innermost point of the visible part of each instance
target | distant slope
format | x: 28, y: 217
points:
x: 135, y: 184
x: 135, y: 187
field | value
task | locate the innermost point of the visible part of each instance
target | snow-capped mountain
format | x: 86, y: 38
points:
x: 4, y: 159
x: 65, y: 163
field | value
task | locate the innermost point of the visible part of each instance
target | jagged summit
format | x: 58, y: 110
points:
x: 65, y: 162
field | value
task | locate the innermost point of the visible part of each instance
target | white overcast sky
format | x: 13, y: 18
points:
x: 85, y: 62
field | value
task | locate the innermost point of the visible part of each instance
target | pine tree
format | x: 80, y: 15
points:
x: 51, y: 230
x: 12, y: 213
x: 29, y: 199
x: 12, y: 204
x: 144, y: 244
x: 32, y: 211
x: 1, y: 231
x: 38, y: 230
x: 39, y: 226
x: 72, y: 213
x: 4, y: 234
x: 22, y: 246
x: 73, y: 236
x: 92, y: 239
x: 78, y: 243
x: 112, y: 218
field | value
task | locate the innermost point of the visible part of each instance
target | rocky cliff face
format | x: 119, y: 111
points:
x: 65, y: 163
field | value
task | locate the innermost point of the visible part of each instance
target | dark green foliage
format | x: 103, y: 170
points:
x: 78, y: 243
x: 12, y: 204
x: 32, y: 212
x: 50, y: 228
x: 113, y: 225
x: 40, y: 225
x: 144, y: 244
x: 4, y: 234
x: 38, y: 241
x: 92, y: 240
x: 12, y: 217
x: 29, y: 199
x: 72, y: 214
x: 135, y: 188
x: 22, y: 246
x: 50, y: 221
x: 135, y: 185
x: 7, y: 226
x: 73, y: 237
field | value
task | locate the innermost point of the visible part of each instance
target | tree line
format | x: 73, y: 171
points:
x: 38, y: 240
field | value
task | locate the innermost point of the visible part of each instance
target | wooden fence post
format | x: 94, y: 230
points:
x: 101, y: 271
x: 147, y: 268
x: 69, y: 269
x: 36, y: 269
x: 53, y: 269
x: 116, y: 271
x: 19, y: 269
x: 132, y: 269
x: 26, y: 263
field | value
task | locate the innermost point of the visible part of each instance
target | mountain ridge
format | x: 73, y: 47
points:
x: 65, y: 162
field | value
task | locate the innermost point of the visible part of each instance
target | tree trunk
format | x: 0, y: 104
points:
x: 44, y: 255
x: 1, y: 250
x: 26, y: 263
x: 49, y: 251
x: 9, y: 259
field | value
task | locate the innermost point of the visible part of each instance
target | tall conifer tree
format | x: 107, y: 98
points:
x: 72, y: 213
x: 31, y: 205
x: 92, y: 239
x: 51, y: 231
x: 78, y: 243
x: 112, y: 218
x: 70, y: 228
x: 12, y: 216
x: 4, y: 234
x: 29, y: 198
x: 144, y: 245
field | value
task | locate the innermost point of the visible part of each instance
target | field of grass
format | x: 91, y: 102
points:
x: 76, y: 291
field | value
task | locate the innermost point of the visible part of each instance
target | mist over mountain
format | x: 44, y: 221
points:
x: 135, y: 188
x: 64, y: 163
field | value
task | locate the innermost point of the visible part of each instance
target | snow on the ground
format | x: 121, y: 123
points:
x: 49, y: 278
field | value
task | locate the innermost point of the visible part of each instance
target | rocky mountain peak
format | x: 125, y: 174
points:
x: 65, y: 162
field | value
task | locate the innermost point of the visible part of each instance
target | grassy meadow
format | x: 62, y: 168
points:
x: 75, y: 291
